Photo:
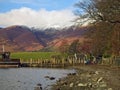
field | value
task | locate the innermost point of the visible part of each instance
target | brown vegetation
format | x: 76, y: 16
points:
x: 104, y: 16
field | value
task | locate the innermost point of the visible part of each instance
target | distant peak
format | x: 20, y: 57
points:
x: 17, y: 26
x: 14, y: 26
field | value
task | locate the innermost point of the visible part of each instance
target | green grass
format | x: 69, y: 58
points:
x: 33, y: 55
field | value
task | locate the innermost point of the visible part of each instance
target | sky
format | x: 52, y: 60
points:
x: 37, y: 13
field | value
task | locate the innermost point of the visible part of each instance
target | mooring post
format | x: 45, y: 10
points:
x: 63, y: 62
x: 3, y: 48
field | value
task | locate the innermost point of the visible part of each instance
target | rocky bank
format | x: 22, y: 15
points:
x: 90, y: 77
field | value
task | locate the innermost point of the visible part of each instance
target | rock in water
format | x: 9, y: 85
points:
x: 39, y: 84
x: 52, y: 78
x: 38, y: 88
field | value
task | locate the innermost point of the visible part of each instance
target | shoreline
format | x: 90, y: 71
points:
x: 90, y: 77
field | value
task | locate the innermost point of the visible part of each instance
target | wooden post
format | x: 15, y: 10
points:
x: 63, y: 62
x: 41, y: 62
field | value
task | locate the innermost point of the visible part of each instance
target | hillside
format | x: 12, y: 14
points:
x: 21, y: 38
x: 17, y: 38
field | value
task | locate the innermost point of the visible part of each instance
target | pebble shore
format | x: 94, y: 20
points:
x: 90, y: 78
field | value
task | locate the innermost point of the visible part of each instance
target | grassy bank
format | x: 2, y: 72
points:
x: 33, y: 55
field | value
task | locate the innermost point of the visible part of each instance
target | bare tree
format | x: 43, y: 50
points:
x: 98, y: 11
x: 104, y: 16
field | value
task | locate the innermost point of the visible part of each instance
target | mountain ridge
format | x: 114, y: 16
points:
x: 22, y: 38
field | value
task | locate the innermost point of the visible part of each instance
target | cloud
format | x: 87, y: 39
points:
x: 40, y: 19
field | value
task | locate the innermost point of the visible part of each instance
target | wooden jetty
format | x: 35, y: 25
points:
x: 5, y: 60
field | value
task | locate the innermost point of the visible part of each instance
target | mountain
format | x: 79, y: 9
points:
x: 21, y: 38
x: 18, y: 38
x: 68, y: 35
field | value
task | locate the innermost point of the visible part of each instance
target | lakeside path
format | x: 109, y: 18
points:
x: 90, y: 77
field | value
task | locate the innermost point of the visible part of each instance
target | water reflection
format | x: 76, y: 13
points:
x: 29, y: 78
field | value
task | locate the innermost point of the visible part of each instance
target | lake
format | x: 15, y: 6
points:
x: 28, y: 78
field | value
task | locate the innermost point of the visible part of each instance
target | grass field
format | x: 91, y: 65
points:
x: 33, y: 55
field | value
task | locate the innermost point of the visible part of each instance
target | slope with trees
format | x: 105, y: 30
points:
x: 103, y: 17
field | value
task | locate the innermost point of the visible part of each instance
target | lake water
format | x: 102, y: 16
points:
x: 28, y: 78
